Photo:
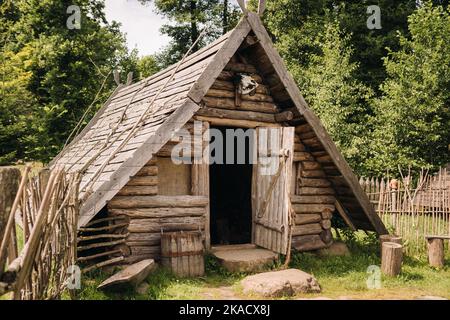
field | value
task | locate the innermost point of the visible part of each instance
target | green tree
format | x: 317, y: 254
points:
x: 188, y: 19
x: 334, y: 93
x: 64, y: 68
x: 413, y: 115
x: 294, y: 25
x: 147, y: 66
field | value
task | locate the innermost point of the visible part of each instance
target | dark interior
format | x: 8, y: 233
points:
x: 230, y: 203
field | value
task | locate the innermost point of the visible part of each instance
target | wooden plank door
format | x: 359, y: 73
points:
x: 271, y: 186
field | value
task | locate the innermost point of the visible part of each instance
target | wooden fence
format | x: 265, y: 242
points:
x: 46, y: 209
x: 412, y: 207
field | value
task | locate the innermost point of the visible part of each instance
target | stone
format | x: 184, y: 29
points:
x: 335, y: 249
x: 245, y: 260
x: 280, y: 283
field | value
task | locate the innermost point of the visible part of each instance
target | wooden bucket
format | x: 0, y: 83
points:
x: 182, y: 252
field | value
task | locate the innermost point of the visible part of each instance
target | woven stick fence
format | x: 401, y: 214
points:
x: 412, y: 207
x: 48, y: 207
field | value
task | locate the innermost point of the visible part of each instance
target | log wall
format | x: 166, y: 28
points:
x: 162, y: 197
x: 313, y: 198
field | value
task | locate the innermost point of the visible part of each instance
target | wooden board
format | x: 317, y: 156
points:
x: 131, y: 276
x: 174, y: 179
x: 271, y: 188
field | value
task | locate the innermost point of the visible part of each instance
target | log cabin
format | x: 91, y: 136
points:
x: 132, y: 190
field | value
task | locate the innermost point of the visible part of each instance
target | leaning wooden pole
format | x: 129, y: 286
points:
x: 10, y: 223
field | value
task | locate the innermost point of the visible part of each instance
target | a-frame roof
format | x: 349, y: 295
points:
x: 175, y: 106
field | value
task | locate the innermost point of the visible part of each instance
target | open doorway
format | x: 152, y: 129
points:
x: 230, y: 197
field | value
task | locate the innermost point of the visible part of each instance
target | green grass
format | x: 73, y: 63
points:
x: 339, y: 277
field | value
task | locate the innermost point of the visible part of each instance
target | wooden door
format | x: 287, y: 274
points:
x: 271, y: 182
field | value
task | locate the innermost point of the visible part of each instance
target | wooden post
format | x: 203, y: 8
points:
x: 9, y: 183
x: 391, y: 258
x: 436, y: 252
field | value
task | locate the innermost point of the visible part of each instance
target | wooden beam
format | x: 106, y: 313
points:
x: 261, y: 7
x: 242, y: 5
x: 344, y: 215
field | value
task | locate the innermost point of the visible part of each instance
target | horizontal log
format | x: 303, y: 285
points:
x: 100, y: 245
x: 284, y: 116
x: 312, y: 173
x: 312, y: 208
x: 235, y: 123
x: 237, y: 114
x: 229, y: 85
x: 315, y: 191
x: 150, y: 238
x: 302, y: 156
x: 166, y: 225
x: 159, y: 212
x: 317, y: 183
x: 307, y: 243
x: 302, y: 128
x: 306, y: 229
x: 143, y: 181
x: 220, y: 93
x: 227, y: 103
x: 310, y: 165
x: 148, y: 171
x: 228, y: 75
x: 299, y: 147
x: 313, y: 199
x: 307, y: 218
x: 134, y: 202
x: 240, y: 67
x: 138, y: 191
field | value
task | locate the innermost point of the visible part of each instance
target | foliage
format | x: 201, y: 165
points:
x: 147, y: 66
x: 413, y: 115
x: 50, y: 73
x: 188, y: 20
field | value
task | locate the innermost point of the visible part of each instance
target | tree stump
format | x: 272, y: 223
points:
x: 391, y: 258
x: 436, y: 252
x: 389, y: 238
x: 9, y: 183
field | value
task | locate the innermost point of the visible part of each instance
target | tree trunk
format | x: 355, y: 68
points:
x: 194, y: 28
x: 225, y: 17
x: 436, y: 252
x: 391, y: 258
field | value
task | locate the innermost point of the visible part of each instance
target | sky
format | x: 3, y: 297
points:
x: 140, y: 24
